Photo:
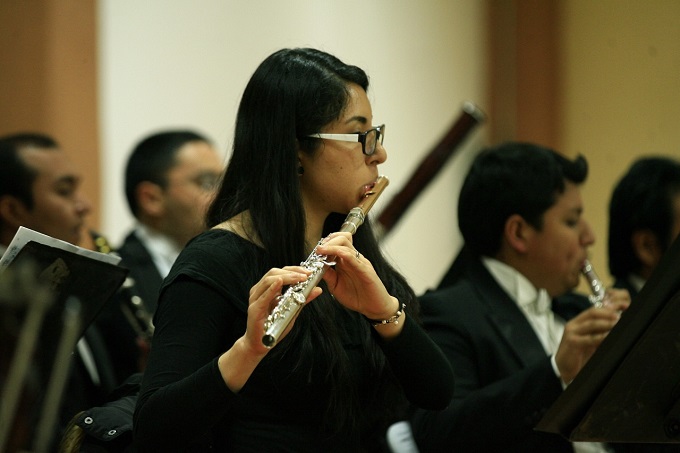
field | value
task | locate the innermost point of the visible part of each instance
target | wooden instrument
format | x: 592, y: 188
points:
x: 427, y: 169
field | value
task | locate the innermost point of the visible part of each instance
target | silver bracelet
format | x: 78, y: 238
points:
x: 394, y: 319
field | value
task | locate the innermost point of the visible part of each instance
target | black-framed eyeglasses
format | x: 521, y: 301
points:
x: 368, y: 139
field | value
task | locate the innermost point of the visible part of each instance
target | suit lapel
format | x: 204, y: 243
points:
x: 143, y: 270
x: 506, y: 317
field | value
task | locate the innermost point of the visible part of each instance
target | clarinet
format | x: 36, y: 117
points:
x: 595, y: 284
x: 427, y: 169
x: 295, y: 296
x: 132, y: 305
x: 134, y: 310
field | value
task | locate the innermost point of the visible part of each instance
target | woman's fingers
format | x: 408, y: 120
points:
x: 277, y: 278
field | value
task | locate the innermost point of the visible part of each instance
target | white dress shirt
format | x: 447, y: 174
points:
x: 637, y: 281
x: 163, y: 250
x: 534, y: 303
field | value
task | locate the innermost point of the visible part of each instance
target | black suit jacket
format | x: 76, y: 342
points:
x: 81, y: 392
x: 119, y: 336
x: 624, y: 283
x: 142, y: 270
x: 504, y: 379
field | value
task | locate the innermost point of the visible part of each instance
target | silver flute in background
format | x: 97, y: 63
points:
x: 595, y: 284
x: 294, y: 298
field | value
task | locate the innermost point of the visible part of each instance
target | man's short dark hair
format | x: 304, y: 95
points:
x: 512, y: 178
x: 151, y: 160
x: 641, y: 200
x: 16, y: 178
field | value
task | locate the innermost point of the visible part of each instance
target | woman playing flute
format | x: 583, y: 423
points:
x: 305, y: 152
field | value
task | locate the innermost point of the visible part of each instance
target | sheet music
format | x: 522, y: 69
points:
x: 25, y: 235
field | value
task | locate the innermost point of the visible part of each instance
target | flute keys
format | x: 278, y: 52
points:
x: 299, y: 298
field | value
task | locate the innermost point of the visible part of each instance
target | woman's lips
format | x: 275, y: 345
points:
x: 367, y: 190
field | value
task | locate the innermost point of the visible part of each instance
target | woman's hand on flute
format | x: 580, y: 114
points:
x: 237, y: 364
x: 355, y: 284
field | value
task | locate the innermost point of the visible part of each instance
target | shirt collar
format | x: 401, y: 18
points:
x: 636, y: 281
x: 163, y: 250
x: 517, y: 286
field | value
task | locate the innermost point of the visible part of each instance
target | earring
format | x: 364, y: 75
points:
x: 300, y: 170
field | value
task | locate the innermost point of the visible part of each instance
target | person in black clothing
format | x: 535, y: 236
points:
x: 335, y: 379
x: 170, y: 178
x: 501, y: 317
x: 644, y: 220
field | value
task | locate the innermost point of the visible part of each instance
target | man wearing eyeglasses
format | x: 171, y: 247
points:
x: 170, y: 179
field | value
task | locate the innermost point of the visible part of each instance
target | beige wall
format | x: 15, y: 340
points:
x: 48, y: 79
x: 620, y: 92
x: 523, y: 66
x: 600, y: 78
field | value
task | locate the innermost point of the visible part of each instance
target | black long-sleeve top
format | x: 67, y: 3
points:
x: 185, y: 405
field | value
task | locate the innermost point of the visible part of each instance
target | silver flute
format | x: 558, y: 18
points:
x: 290, y: 302
x: 595, y: 284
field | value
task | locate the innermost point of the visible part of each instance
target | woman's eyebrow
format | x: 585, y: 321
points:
x: 359, y: 118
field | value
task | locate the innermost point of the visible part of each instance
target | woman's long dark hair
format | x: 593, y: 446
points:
x: 294, y: 93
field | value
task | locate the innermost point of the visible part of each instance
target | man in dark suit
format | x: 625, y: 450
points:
x: 644, y: 220
x: 513, y: 342
x: 170, y: 178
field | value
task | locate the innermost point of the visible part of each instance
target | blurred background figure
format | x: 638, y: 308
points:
x: 40, y: 189
x: 644, y: 219
x: 170, y: 178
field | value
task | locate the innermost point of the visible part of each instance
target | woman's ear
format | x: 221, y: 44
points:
x: 303, y: 159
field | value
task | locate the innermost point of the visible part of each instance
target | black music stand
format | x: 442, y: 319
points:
x: 69, y: 274
x: 59, y: 295
x: 629, y: 391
